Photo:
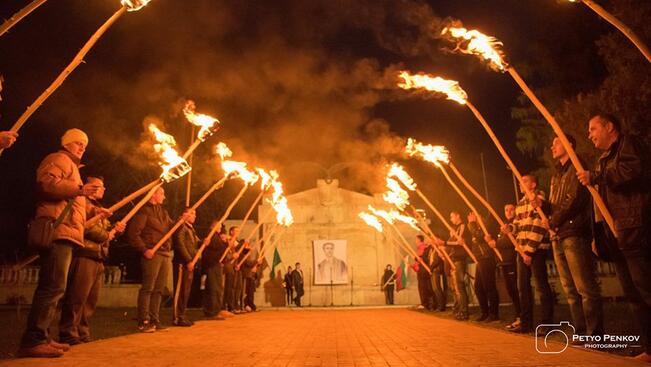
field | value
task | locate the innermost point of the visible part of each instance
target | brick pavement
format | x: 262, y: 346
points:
x: 363, y: 337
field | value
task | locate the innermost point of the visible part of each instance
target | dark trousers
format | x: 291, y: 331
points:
x: 249, y: 299
x: 425, y: 290
x: 510, y: 275
x: 229, y: 293
x: 299, y: 294
x: 214, y: 292
x: 459, y: 282
x: 155, y: 273
x: 238, y: 290
x: 388, y: 294
x: 85, y: 280
x: 52, y: 280
x: 290, y: 294
x: 439, y: 287
x: 485, y: 287
x: 633, y: 265
x: 538, y: 270
x: 184, y: 290
x: 576, y: 267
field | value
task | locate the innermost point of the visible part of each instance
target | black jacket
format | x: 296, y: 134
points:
x: 213, y: 252
x: 456, y: 250
x: 148, y: 226
x: 505, y: 247
x: 288, y: 281
x: 477, y: 245
x: 297, y: 280
x: 569, y: 202
x: 624, y: 181
x: 185, y: 244
x: 432, y: 259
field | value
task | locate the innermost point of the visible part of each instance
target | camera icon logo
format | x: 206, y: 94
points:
x: 546, y: 332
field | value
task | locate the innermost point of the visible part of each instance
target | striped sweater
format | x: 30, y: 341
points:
x: 527, y: 226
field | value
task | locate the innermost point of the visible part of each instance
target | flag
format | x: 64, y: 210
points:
x: 274, y: 263
x: 401, y: 276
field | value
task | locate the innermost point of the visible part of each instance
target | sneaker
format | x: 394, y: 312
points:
x: 520, y: 329
x: 225, y: 314
x: 482, y: 317
x: 183, y: 323
x: 158, y: 326
x: 462, y: 316
x: 514, y: 324
x: 44, y: 350
x: 146, y: 327
x: 64, y: 346
x: 247, y: 309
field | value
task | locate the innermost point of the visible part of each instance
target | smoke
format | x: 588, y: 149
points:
x: 291, y: 81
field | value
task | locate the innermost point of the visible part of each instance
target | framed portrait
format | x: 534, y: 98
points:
x: 330, y: 262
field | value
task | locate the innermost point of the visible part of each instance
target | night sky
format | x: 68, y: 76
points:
x: 296, y: 84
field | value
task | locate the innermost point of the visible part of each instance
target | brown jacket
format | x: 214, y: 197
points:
x: 148, y: 226
x: 58, y: 181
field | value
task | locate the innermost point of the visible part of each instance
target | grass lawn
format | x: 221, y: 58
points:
x: 618, y: 321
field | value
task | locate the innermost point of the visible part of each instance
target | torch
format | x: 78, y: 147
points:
x: 20, y: 15
x: 373, y: 221
x: 173, y: 165
x: 620, y: 26
x: 127, y: 5
x: 454, y: 92
x: 390, y: 217
x: 424, y: 227
x: 398, y: 197
x: 399, y: 172
x: 444, y: 157
x: 489, y: 48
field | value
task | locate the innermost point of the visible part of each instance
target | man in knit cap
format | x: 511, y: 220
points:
x: 61, y: 193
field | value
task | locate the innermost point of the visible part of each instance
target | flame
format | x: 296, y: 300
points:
x: 134, y: 5
x: 208, y: 124
x: 477, y: 43
x: 279, y: 203
x: 398, y: 171
x: 450, y: 88
x: 430, y: 153
x: 266, y: 179
x: 393, y: 216
x: 223, y: 150
x: 396, y: 195
x: 371, y: 220
x: 170, y: 158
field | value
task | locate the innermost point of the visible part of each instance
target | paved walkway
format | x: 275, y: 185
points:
x: 366, y: 337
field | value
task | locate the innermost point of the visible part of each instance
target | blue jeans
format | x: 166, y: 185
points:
x: 52, y: 280
x: 576, y: 268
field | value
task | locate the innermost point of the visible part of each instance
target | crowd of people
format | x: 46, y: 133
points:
x: 570, y: 228
x: 72, y: 252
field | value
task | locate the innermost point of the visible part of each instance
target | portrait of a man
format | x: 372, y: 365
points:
x: 330, y: 262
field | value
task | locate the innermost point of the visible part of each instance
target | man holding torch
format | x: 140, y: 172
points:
x: 624, y: 176
x: 214, y: 307
x: 145, y: 229
x: 459, y: 257
x: 530, y: 233
x: 485, y: 286
x: 425, y: 290
x: 185, y: 247
x: 86, y: 274
x: 61, y: 196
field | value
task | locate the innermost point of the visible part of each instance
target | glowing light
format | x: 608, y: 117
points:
x: 450, y: 88
x: 430, y: 153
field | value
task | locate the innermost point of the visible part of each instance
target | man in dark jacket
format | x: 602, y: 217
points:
x: 213, y: 300
x: 388, y: 284
x: 459, y: 257
x: 60, y: 194
x: 86, y: 272
x: 297, y: 281
x: 289, y: 288
x: 485, y: 285
x: 146, y: 228
x: 425, y: 291
x: 185, y: 248
x: 230, y: 275
x: 570, y: 222
x: 624, y: 180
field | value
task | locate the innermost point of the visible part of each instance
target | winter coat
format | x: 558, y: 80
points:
x: 570, y: 204
x: 96, y: 243
x: 147, y: 227
x: 186, y: 244
x: 58, y: 181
